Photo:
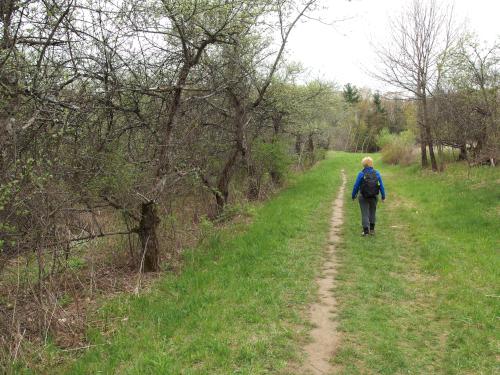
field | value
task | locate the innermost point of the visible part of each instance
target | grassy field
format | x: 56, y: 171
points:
x: 422, y: 297
x: 236, y: 307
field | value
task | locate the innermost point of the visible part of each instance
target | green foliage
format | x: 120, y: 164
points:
x: 364, y: 116
x: 397, y: 148
x: 273, y: 158
x: 207, y: 230
x: 377, y: 102
x: 319, y: 154
x: 76, y: 263
x: 65, y: 300
x: 232, y: 211
x: 7, y: 192
x: 351, y: 94
x: 29, y: 177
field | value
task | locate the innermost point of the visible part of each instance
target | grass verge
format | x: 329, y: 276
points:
x: 237, y: 304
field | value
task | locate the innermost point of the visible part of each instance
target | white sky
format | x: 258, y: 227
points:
x: 343, y: 52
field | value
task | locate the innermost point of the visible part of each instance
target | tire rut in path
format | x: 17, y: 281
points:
x: 325, y: 338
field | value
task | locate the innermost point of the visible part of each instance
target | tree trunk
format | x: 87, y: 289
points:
x: 150, y: 255
x: 277, y: 120
x: 298, y: 144
x: 222, y: 192
x: 423, y: 152
x: 428, y: 133
x: 463, y: 152
x: 241, y: 120
x: 363, y: 145
x: 275, y: 175
x: 310, y: 148
x: 431, y: 151
x: 441, y: 157
x: 253, y: 183
x: 421, y: 119
x: 220, y: 200
x: 190, y: 61
x: 423, y: 137
x: 167, y: 127
x: 347, y: 145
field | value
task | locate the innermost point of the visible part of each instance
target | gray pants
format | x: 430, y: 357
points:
x: 368, y: 210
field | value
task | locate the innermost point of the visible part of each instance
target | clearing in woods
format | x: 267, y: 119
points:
x: 421, y: 297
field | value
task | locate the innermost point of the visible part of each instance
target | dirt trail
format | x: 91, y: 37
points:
x: 325, y: 338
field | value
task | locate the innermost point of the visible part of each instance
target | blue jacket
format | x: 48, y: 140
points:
x: 359, y: 180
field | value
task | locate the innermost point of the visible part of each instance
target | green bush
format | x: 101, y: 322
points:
x: 319, y: 154
x: 272, y: 158
x: 397, y: 148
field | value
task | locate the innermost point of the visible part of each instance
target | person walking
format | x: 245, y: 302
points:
x: 369, y: 184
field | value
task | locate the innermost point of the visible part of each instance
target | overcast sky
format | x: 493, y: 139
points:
x: 343, y: 52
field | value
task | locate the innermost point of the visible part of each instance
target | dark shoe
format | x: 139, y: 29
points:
x: 366, y: 232
x: 372, y: 232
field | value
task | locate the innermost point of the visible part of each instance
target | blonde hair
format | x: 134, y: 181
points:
x: 367, y: 162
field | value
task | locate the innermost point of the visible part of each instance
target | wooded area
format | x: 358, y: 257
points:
x: 127, y: 128
x: 136, y: 121
x: 453, y: 78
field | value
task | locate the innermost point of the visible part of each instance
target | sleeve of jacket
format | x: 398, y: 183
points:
x: 382, y: 189
x: 357, y: 185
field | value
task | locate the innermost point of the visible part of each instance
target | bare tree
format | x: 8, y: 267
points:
x: 466, y: 107
x: 112, y: 113
x: 420, y: 37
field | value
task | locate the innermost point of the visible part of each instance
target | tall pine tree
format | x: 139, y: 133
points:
x: 351, y: 94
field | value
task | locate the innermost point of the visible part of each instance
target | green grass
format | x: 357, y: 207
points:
x: 422, y: 297
x: 237, y: 306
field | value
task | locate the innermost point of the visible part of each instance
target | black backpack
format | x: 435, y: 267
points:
x: 369, y: 185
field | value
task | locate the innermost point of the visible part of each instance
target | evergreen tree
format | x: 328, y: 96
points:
x: 377, y: 102
x: 351, y: 94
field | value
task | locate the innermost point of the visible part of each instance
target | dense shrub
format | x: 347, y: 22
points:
x: 272, y: 158
x: 397, y: 148
x: 319, y: 154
